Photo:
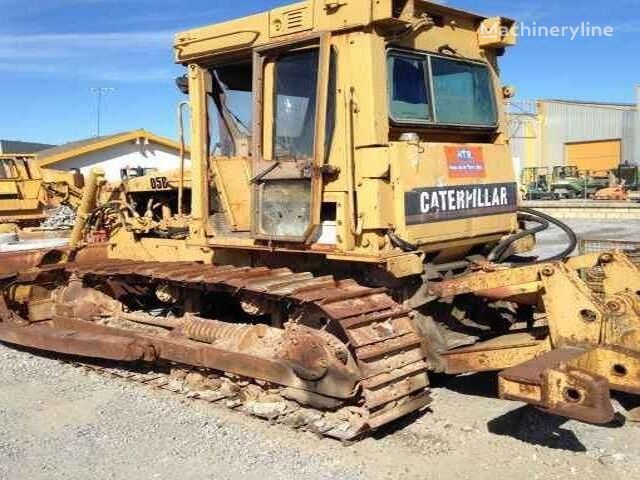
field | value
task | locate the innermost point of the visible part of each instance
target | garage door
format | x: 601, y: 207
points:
x: 596, y: 156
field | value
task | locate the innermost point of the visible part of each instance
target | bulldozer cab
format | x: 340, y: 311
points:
x: 135, y: 172
x: 352, y: 129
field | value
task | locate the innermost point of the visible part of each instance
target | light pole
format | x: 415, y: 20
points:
x: 100, y: 91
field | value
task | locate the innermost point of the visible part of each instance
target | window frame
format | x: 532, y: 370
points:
x: 431, y: 94
x: 274, y: 100
x: 217, y: 117
x: 263, y: 88
x: 428, y: 86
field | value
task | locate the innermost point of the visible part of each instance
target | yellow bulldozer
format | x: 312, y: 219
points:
x: 144, y: 200
x: 27, y: 191
x: 351, y: 224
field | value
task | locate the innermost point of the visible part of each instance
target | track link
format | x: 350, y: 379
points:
x: 264, y: 401
x: 389, y: 353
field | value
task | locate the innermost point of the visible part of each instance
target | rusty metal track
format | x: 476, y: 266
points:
x: 228, y: 391
x: 389, y: 353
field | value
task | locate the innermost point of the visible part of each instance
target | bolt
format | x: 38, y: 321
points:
x: 588, y: 316
x: 606, y: 258
x: 614, y: 306
x: 548, y: 271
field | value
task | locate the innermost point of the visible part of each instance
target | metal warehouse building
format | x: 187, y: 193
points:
x: 592, y: 136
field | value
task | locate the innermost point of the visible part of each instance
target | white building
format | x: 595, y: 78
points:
x: 113, y: 153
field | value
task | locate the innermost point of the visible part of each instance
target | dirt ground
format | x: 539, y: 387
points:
x: 59, y: 423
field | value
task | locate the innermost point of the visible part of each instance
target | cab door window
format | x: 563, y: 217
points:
x: 296, y: 78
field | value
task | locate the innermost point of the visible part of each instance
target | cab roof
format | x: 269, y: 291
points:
x: 305, y: 17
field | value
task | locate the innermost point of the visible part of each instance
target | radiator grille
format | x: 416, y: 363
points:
x: 288, y: 20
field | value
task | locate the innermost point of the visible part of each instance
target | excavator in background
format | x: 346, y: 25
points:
x: 351, y: 223
x: 28, y: 191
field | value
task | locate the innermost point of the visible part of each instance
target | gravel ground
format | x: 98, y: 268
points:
x: 59, y: 423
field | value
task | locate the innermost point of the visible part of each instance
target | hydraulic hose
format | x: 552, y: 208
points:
x: 497, y: 254
x: 524, y: 214
x: 530, y: 215
x: 403, y: 245
x: 571, y: 235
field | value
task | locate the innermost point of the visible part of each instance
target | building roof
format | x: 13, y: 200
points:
x: 16, y: 146
x: 94, y: 144
x: 624, y: 106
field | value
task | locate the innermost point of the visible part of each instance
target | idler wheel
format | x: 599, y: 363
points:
x: 306, y: 352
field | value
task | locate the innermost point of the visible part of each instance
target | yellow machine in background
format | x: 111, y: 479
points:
x: 145, y: 200
x: 351, y: 223
x: 26, y: 190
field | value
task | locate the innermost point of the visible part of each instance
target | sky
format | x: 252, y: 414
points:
x: 54, y: 52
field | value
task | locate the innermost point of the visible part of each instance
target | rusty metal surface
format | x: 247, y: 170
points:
x: 11, y: 262
x: 307, y: 411
x: 554, y: 385
x: 76, y: 342
x: 17, y: 261
x: 531, y: 372
x: 366, y: 315
x: 509, y: 281
x: 579, y: 394
x: 496, y: 354
x: 384, y: 365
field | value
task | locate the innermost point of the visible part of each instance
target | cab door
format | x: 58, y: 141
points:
x: 290, y: 85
